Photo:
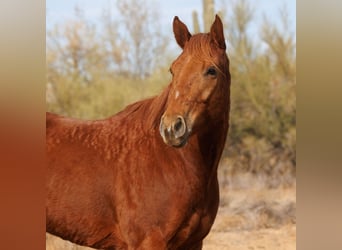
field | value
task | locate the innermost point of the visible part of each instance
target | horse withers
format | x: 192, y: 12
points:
x: 145, y: 178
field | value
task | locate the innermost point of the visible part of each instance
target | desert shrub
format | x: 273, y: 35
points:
x: 262, y: 136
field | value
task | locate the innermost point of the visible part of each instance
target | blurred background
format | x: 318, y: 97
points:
x: 103, y: 55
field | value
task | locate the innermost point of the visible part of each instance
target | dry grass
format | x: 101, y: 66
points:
x: 254, y: 216
x: 56, y: 243
x: 283, y: 238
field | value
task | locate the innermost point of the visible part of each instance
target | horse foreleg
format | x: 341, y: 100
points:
x: 197, y: 246
x: 153, y: 241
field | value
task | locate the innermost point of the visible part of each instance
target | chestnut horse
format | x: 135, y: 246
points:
x: 145, y: 178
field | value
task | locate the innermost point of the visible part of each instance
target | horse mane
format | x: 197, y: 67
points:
x: 157, y: 108
x: 150, y: 109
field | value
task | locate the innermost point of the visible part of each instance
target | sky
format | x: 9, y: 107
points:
x: 59, y: 11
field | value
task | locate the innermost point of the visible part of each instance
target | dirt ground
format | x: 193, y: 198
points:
x: 283, y: 238
x: 255, y: 218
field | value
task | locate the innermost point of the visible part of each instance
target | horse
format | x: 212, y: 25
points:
x: 145, y: 178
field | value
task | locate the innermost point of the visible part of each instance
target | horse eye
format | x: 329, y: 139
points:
x: 170, y: 70
x: 211, y: 71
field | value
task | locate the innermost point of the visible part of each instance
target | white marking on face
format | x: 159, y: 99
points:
x: 177, y: 94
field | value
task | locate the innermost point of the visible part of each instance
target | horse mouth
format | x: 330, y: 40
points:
x: 176, y: 142
x: 174, y: 133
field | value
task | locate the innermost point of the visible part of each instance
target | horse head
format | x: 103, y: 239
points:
x: 199, y: 90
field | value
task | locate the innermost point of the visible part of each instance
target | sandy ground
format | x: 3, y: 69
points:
x: 283, y: 238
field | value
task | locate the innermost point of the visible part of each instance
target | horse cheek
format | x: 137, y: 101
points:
x: 207, y: 92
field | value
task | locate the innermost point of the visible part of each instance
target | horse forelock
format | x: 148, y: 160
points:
x: 201, y: 48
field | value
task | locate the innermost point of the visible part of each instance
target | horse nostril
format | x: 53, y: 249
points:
x: 179, y: 127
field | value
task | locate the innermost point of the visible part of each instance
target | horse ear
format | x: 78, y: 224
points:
x: 216, y: 33
x: 181, y: 32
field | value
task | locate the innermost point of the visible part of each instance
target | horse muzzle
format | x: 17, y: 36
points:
x: 174, y: 130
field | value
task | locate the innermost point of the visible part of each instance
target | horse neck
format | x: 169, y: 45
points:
x: 211, y: 139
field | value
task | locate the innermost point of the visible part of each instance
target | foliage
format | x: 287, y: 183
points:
x: 263, y: 94
x: 94, y: 72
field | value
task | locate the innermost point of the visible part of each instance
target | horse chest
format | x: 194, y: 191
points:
x: 197, y: 224
x: 195, y: 227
